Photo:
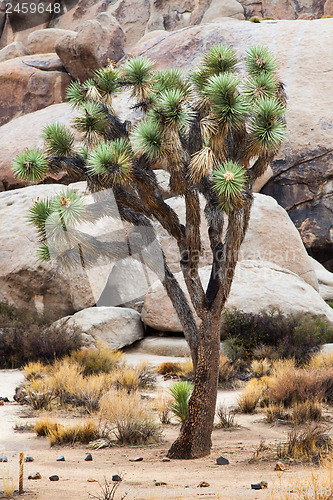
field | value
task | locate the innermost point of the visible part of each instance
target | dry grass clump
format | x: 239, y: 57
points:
x: 168, y: 368
x: 33, y: 370
x: 128, y: 418
x: 307, y: 411
x: 312, y: 443
x: 40, y: 393
x: 227, y: 371
x: 261, y: 367
x: 98, y: 360
x: 226, y: 418
x: 320, y: 361
x: 81, y: 432
x: 183, y: 369
x: 275, y: 411
x: 162, y: 405
x: 44, y: 426
x: 250, y: 396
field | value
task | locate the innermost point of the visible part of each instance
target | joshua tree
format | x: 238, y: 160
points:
x: 216, y: 134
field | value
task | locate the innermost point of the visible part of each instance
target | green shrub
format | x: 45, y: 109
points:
x: 25, y: 337
x: 181, y: 392
x: 289, y: 335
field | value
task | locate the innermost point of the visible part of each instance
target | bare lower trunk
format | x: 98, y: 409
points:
x: 194, y: 440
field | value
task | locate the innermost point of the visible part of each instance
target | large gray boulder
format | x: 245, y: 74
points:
x: 271, y: 236
x: 256, y: 286
x: 42, y: 287
x: 116, y: 327
x: 325, y: 280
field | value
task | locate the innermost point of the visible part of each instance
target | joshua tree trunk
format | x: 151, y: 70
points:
x: 194, y: 440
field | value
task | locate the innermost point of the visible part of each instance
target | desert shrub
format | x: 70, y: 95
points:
x: 254, y: 19
x: 312, y: 443
x: 128, y: 418
x: 186, y: 369
x: 168, y: 368
x: 147, y: 375
x: 260, y: 367
x: 40, y: 393
x: 80, y: 432
x: 226, y: 418
x: 162, y: 404
x: 25, y: 337
x: 307, y: 411
x: 126, y: 378
x: 108, y: 490
x: 268, y: 18
x: 275, y: 411
x: 33, y: 370
x: 44, y: 426
x: 295, y: 385
x: 97, y: 360
x: 250, y: 396
x: 227, y: 371
x: 321, y: 360
x: 181, y: 392
x: 65, y: 375
x: 290, y: 335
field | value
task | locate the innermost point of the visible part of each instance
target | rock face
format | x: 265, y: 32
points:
x: 43, y: 41
x: 325, y: 281
x: 217, y: 9
x: 292, y: 9
x: 116, y: 327
x: 271, y: 236
x: 42, y: 287
x: 15, y: 49
x: 30, y: 83
x: 90, y: 48
x: 303, y: 171
x: 256, y: 286
x: 23, y: 132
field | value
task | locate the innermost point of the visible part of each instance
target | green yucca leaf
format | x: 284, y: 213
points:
x: 267, y: 129
x: 170, y: 79
x: 229, y: 180
x: 67, y: 210
x: 171, y: 106
x: 83, y: 151
x: 259, y: 59
x: 108, y: 80
x: 262, y: 85
x: 112, y: 160
x: 59, y: 140
x: 30, y: 165
x: 137, y: 70
x: 199, y: 77
x: 75, y: 94
x: 43, y: 253
x: 38, y: 215
x: 92, y: 122
x: 147, y: 137
x: 227, y: 104
x: 220, y: 59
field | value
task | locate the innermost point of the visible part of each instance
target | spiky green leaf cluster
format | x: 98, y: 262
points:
x: 147, y: 138
x: 259, y: 59
x: 138, y: 75
x: 113, y: 161
x: 75, y: 94
x: 170, y: 79
x: 229, y: 180
x: 227, y: 104
x: 220, y: 58
x: 171, y: 108
x: 59, y: 140
x: 67, y: 210
x: 108, y: 81
x: 38, y: 215
x: 92, y: 122
x: 262, y: 85
x: 267, y: 128
x: 30, y: 165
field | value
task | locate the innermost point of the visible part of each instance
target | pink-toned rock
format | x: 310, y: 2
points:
x: 15, y: 49
x: 43, y: 41
x: 30, y: 83
x: 25, y: 132
x: 96, y: 42
x: 217, y: 9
